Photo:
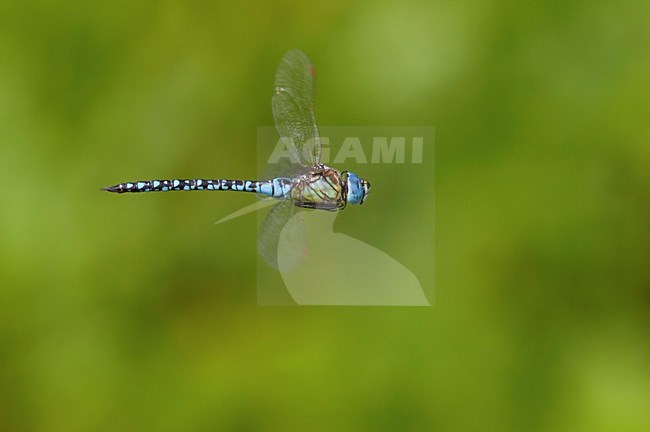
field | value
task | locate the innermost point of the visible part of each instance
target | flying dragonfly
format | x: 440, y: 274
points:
x: 312, y: 185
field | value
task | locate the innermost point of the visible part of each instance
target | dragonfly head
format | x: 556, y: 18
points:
x: 358, y: 189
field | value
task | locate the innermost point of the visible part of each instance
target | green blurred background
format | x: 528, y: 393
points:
x: 137, y: 313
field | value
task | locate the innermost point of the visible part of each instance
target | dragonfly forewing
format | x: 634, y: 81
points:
x: 293, y: 108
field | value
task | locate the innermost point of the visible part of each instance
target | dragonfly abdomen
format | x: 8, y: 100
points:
x: 276, y: 188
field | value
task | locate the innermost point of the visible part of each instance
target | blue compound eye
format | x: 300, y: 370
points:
x: 357, y: 189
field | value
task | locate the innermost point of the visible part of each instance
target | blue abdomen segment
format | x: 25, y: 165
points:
x: 275, y: 188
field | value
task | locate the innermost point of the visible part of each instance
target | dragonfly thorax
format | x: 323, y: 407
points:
x: 326, y: 188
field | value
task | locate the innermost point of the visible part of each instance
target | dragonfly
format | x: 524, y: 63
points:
x: 309, y: 184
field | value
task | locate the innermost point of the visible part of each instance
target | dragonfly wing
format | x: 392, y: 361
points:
x: 263, y: 202
x: 282, y: 226
x: 293, y: 108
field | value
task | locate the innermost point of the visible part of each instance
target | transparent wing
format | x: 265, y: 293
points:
x: 283, y: 168
x: 293, y: 108
x: 283, y: 221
